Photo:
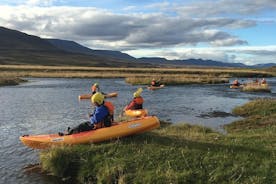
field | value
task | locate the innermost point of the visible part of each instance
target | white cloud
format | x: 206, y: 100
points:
x: 133, y: 30
x: 149, y: 34
x: 245, y: 54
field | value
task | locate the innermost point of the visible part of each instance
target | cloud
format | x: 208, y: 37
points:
x: 211, y: 8
x: 168, y: 25
x: 243, y: 54
x: 131, y: 30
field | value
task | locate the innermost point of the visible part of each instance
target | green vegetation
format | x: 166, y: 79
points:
x: 272, y: 70
x: 177, y: 79
x: 178, y: 153
x: 4, y: 81
x: 258, y: 114
x: 134, y: 75
x: 253, y: 87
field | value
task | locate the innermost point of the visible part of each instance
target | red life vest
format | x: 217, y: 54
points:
x: 110, y: 107
x: 138, y: 102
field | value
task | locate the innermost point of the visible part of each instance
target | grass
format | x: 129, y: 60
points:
x: 258, y: 113
x: 4, y: 81
x: 134, y: 75
x: 253, y: 87
x: 179, y: 153
x: 177, y: 79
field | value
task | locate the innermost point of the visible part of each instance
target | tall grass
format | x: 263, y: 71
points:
x: 179, y: 79
x: 4, y: 81
x: 253, y: 87
x: 258, y: 113
x: 133, y: 75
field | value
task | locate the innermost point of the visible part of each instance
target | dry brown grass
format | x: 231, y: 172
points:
x: 132, y: 75
x: 256, y: 87
x: 179, y: 79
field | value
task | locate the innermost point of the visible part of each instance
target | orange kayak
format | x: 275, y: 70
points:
x: 136, y: 113
x: 88, y: 96
x: 236, y: 87
x: 115, y: 131
x: 156, y: 87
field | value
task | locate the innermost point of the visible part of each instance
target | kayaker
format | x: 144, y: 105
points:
x: 137, y: 101
x: 95, y: 88
x: 236, y: 83
x: 155, y: 83
x: 263, y: 81
x: 101, y: 117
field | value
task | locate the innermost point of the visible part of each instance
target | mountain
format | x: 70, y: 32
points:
x: 190, y: 62
x: 12, y: 39
x: 20, y: 48
x: 266, y: 65
x: 71, y: 46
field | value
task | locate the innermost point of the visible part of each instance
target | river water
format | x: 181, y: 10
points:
x: 49, y: 105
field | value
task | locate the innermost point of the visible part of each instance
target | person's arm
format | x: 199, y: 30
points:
x: 130, y: 105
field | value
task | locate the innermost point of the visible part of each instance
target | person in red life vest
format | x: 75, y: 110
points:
x: 95, y: 88
x: 101, y: 117
x: 263, y: 81
x: 155, y: 83
x: 236, y: 83
x: 137, y: 101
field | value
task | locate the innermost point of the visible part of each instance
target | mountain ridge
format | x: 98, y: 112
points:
x: 20, y: 48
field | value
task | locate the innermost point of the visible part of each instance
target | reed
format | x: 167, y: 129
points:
x: 133, y: 75
x: 256, y: 87
x: 6, y: 81
x: 178, y: 79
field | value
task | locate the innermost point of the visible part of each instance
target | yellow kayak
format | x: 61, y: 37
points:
x: 136, y: 113
x: 88, y: 96
x: 115, y: 131
x: 156, y: 87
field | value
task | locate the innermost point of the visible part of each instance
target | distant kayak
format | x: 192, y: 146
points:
x: 236, y: 87
x: 102, y: 134
x: 156, y: 87
x: 136, y: 113
x: 88, y: 96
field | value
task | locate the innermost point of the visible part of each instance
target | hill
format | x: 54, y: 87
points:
x: 20, y: 48
x: 71, y: 46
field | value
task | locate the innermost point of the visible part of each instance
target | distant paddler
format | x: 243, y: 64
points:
x: 95, y: 88
x: 236, y: 84
x: 155, y: 84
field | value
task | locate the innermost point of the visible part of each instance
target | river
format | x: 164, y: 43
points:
x: 49, y: 105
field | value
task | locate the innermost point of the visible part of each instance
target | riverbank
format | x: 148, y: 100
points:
x: 7, y: 81
x: 135, y: 75
x: 178, y: 153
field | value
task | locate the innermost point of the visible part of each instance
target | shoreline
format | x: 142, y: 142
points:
x: 169, y: 76
x: 177, y: 153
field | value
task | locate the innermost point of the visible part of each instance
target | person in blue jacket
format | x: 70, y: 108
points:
x: 98, y: 119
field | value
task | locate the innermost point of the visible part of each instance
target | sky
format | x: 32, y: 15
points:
x: 239, y: 31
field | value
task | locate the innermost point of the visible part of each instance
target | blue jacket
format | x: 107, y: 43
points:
x: 99, y: 114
